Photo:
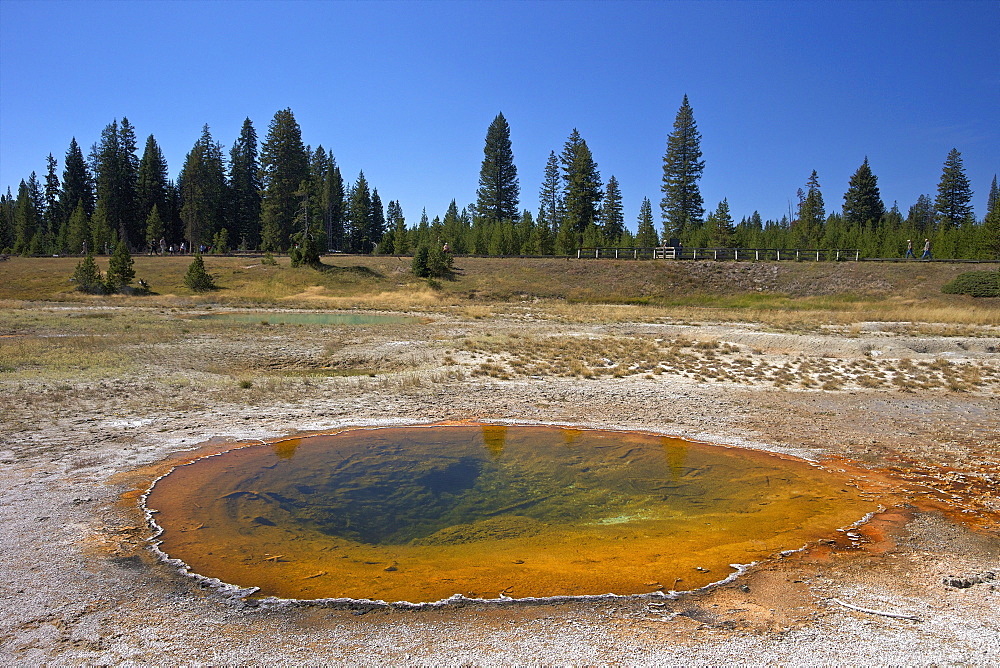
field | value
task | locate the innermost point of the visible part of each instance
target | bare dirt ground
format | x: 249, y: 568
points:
x: 912, y: 416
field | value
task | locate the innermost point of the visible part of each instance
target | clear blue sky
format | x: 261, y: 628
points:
x: 406, y: 91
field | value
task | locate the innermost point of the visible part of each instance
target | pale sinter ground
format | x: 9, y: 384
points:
x: 80, y: 585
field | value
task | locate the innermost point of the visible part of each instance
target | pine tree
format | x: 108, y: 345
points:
x: 52, y: 216
x: 682, y: 205
x: 720, y: 228
x: 77, y: 183
x: 333, y: 205
x: 88, y: 277
x: 197, y: 277
x: 284, y: 166
x: 152, y: 181
x: 612, y: 218
x: 376, y: 224
x: 203, y: 191
x: 117, y: 173
x: 359, y: 212
x: 953, y: 204
x: 990, y: 234
x: 77, y: 230
x: 582, y: 190
x: 243, y: 215
x: 993, y: 197
x: 396, y: 222
x: 498, y: 195
x: 645, y: 236
x: 27, y: 214
x: 921, y: 215
x: 121, y: 269
x: 154, y: 228
x: 862, y: 202
x: 808, y: 229
x: 550, y: 196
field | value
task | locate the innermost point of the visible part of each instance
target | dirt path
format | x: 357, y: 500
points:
x: 80, y: 586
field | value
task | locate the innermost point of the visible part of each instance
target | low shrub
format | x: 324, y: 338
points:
x: 975, y: 283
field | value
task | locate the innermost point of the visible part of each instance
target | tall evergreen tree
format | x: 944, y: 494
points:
x: 582, y: 189
x: 152, y: 180
x: 243, y: 218
x: 550, y: 196
x: 990, y: 245
x: 993, y: 197
x: 807, y: 230
x: 612, y: 218
x: 862, y: 202
x: 27, y: 215
x: 498, y: 195
x: 682, y: 205
x: 953, y: 205
x: 52, y: 217
x: 333, y: 205
x: 359, y: 212
x: 284, y: 166
x: 117, y: 168
x: 77, y: 183
x: 376, y: 225
x: 646, y: 236
x: 77, y: 230
x: 203, y: 191
x: 720, y: 226
x: 6, y: 221
x: 921, y: 215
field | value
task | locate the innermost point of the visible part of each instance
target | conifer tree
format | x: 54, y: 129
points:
x: 550, y: 196
x: 333, y: 205
x: 121, y: 269
x: 359, y: 212
x: 88, y: 277
x: 197, y: 277
x: 990, y: 244
x: 953, y: 205
x: 862, y: 202
x: 27, y: 214
x: 612, y: 218
x: 52, y: 216
x: 77, y: 230
x: 376, y: 221
x: 645, y: 236
x: 682, y: 205
x: 498, y: 195
x: 77, y: 183
x: 243, y: 218
x: 154, y: 228
x: 117, y: 170
x: 582, y: 190
x: 152, y: 181
x: 284, y: 166
x: 993, y: 197
x: 812, y: 214
x: 921, y: 215
x: 720, y: 226
x: 203, y: 190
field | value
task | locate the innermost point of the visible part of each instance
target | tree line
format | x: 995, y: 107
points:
x: 281, y: 195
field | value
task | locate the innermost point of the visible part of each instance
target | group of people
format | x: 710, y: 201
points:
x: 927, y: 250
x: 162, y: 248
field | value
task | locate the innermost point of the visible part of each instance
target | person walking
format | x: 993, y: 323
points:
x: 927, y: 250
x: 909, y: 249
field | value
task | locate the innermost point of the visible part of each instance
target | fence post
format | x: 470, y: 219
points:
x: 578, y: 250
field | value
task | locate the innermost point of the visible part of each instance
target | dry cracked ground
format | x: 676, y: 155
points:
x: 96, y: 402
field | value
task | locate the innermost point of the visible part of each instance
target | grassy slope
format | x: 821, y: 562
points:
x: 892, y: 290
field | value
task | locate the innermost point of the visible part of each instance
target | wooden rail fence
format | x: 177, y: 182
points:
x: 737, y: 254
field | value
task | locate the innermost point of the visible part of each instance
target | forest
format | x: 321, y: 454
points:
x: 280, y: 195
